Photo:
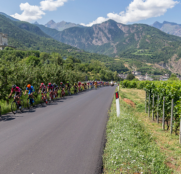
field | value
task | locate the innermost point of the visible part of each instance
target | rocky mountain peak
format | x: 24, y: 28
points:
x: 51, y: 22
x: 157, y: 25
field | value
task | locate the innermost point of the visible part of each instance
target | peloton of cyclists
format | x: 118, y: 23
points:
x: 53, y: 89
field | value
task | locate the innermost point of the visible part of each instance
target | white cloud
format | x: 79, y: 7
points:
x: 33, y: 12
x: 30, y: 12
x: 138, y: 10
x: 51, y: 5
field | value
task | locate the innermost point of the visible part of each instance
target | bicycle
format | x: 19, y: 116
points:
x: 15, y: 105
x: 31, y: 102
x: 75, y: 90
x: 79, y: 89
x: 68, y: 90
x: 0, y: 111
x: 43, y: 99
x: 56, y: 93
x: 62, y: 94
x: 52, y: 96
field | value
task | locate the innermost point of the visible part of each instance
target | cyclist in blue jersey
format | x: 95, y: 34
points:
x: 30, y: 89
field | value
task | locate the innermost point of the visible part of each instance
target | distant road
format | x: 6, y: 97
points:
x: 65, y: 137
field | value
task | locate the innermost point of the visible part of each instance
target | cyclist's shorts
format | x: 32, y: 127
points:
x: 51, y: 90
x: 43, y: 91
x: 17, y: 93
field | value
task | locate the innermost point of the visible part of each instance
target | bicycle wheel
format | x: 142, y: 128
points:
x: 14, y: 107
x: 43, y: 101
x: 22, y: 106
x: 34, y: 104
x: 50, y: 98
x: 0, y: 111
x: 28, y: 103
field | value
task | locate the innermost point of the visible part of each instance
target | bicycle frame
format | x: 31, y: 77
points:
x: 62, y: 93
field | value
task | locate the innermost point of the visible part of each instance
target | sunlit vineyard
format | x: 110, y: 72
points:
x: 160, y: 97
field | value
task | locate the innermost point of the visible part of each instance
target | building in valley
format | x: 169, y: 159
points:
x: 3, y: 41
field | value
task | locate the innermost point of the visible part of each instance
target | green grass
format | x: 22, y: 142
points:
x: 130, y: 147
x: 168, y: 144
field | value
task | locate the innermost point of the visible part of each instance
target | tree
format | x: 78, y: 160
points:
x: 173, y: 77
x: 130, y: 77
x: 32, y: 60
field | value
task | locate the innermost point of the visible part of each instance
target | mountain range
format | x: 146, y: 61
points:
x: 60, y: 26
x: 137, y: 42
x: 26, y: 36
x: 169, y: 27
x: 114, y: 39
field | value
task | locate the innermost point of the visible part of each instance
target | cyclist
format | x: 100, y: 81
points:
x: 50, y: 89
x: 91, y: 84
x: 83, y: 87
x: 31, y: 91
x: 17, y: 95
x: 43, y: 90
x: 55, y: 89
x: 75, y: 88
x: 68, y: 87
x: 88, y: 85
x: 79, y: 86
x: 62, y: 87
x: 95, y: 84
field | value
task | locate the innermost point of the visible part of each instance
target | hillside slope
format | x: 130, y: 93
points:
x: 137, y: 41
x: 26, y: 36
x: 9, y: 17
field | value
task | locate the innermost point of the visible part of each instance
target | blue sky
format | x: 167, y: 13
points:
x: 89, y: 12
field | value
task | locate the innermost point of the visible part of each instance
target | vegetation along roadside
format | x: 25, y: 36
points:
x: 168, y: 144
x: 131, y: 147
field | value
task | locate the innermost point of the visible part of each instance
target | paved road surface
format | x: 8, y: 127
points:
x: 64, y: 138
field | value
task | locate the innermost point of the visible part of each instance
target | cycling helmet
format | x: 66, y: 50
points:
x: 61, y: 83
x: 14, y: 86
x: 49, y: 84
x: 54, y: 84
x: 42, y: 84
x: 28, y: 86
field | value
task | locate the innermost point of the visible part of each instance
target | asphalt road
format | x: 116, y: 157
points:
x: 66, y: 137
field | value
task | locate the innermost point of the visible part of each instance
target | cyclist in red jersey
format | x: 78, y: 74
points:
x: 18, y: 93
x: 79, y: 86
x: 42, y: 89
x: 88, y: 85
x: 50, y: 89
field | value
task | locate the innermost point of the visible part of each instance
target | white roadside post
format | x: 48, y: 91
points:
x: 117, y: 104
